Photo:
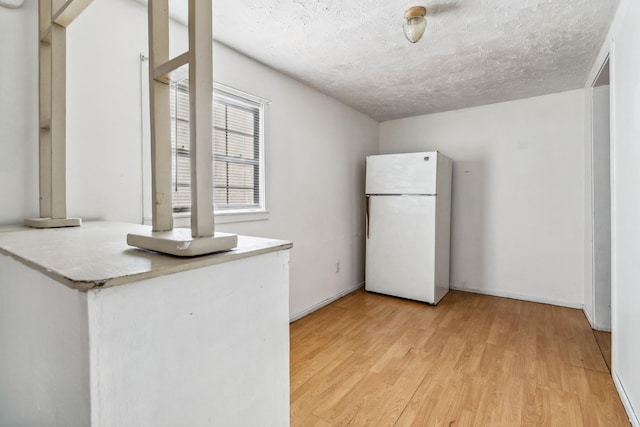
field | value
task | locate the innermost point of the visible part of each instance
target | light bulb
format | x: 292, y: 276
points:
x: 414, y: 23
x: 13, y: 4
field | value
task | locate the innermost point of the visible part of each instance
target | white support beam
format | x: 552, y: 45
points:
x: 44, y: 97
x: 162, y: 209
x: 52, y: 118
x: 45, y: 35
x: 44, y: 100
x: 45, y: 173
x: 67, y: 12
x: 44, y: 15
x: 200, y: 109
x: 162, y: 71
x: 58, y: 121
x: 202, y: 239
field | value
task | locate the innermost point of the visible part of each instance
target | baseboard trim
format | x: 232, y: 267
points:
x: 633, y: 418
x: 588, y: 316
x: 321, y: 304
x: 519, y: 297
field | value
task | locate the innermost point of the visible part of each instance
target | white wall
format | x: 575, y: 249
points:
x: 44, y: 350
x: 315, y: 179
x: 104, y: 156
x: 517, y: 209
x: 623, y: 42
x: 18, y: 113
x: 204, y: 347
x: 315, y: 146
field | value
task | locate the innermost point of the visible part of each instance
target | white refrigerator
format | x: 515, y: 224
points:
x: 408, y: 217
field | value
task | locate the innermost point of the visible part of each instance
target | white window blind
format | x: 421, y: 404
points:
x: 237, y: 151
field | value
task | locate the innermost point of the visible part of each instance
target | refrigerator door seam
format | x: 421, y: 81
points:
x: 366, y: 207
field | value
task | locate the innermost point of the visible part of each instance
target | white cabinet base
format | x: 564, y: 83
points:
x: 153, y: 340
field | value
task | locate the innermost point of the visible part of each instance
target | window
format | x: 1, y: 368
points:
x: 238, y: 151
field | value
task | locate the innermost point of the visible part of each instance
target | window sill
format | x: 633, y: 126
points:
x: 228, y: 217
x: 184, y: 221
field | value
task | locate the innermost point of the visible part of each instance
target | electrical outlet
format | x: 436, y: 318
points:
x: 338, y: 266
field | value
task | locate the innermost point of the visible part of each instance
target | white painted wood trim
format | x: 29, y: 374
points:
x: 184, y: 221
x: 520, y: 297
x: 161, y: 72
x: 44, y: 101
x: 53, y: 17
x: 200, y: 60
x: 605, y: 49
x: 321, y: 304
x: 240, y: 94
x: 588, y: 316
x: 633, y: 417
x: 161, y: 206
x: 69, y: 11
x: 45, y: 35
x: 200, y: 117
x: 44, y: 159
x: 58, y: 121
x: 589, y: 268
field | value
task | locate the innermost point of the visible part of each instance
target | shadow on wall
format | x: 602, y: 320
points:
x: 468, y: 225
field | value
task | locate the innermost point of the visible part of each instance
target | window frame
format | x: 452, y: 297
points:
x: 231, y: 96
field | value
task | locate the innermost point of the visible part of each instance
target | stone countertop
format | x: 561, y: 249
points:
x: 96, y: 255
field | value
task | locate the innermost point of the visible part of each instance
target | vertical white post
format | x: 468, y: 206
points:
x: 58, y: 121
x: 201, y: 239
x: 53, y: 17
x: 44, y: 93
x: 162, y: 210
x: 200, y: 110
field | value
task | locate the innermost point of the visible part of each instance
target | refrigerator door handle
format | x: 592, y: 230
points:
x: 366, y: 209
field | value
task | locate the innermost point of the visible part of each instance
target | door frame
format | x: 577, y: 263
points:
x: 594, y: 317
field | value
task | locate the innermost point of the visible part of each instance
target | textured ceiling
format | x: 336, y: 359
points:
x: 474, y: 52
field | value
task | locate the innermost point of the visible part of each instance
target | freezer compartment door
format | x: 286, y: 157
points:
x: 400, y: 247
x: 410, y: 173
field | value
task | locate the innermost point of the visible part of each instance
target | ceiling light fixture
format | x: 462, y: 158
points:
x: 13, y: 4
x: 414, y: 23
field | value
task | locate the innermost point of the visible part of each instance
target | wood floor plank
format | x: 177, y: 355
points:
x: 604, y: 342
x: 341, y: 408
x: 309, y: 420
x: 473, y: 360
x: 386, y: 405
x: 307, y: 394
x: 305, y: 368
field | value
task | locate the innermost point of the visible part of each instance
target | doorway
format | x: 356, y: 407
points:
x: 601, y: 202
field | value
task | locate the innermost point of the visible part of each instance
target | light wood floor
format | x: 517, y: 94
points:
x: 604, y: 342
x: 474, y: 360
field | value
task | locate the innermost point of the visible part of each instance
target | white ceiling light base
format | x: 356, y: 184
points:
x: 180, y: 242
x: 12, y: 4
x: 414, y: 23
